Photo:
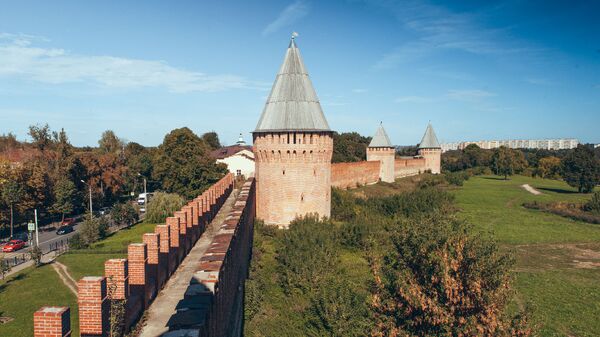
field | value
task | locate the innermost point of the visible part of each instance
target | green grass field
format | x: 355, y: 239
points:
x: 558, y: 259
x: 22, y: 294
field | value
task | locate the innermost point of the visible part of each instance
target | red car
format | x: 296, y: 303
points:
x: 13, y: 246
x: 67, y: 222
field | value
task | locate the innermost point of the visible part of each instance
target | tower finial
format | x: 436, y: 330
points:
x: 294, y: 35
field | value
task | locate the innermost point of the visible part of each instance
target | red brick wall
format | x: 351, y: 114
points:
x: 52, y: 322
x: 293, y: 175
x: 93, y: 306
x: 116, y: 273
x: 404, y: 167
x: 133, y: 277
x: 344, y: 175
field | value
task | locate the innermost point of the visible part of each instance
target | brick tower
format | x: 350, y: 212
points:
x: 381, y: 149
x: 293, y: 145
x: 430, y: 149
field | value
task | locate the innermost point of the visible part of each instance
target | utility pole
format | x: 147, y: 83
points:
x: 37, y: 237
x: 90, y: 188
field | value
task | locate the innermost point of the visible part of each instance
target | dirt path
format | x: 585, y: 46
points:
x: 530, y: 189
x: 64, y: 275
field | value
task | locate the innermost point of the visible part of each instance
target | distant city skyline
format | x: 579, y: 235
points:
x: 545, y: 144
x: 476, y: 70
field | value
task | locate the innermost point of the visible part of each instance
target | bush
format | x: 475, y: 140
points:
x: 162, y: 205
x: 594, y: 204
x: 309, y: 251
x: 438, y: 278
x: 430, y: 180
x: 456, y: 178
x: 75, y: 242
x: 124, y: 214
x: 92, y: 231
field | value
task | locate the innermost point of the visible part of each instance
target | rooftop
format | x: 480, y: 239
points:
x: 293, y: 104
x: 429, y: 140
x: 380, y: 139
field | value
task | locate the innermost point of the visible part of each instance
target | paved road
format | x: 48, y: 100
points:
x: 46, y: 240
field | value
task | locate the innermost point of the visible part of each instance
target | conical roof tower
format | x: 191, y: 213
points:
x: 380, y: 139
x: 293, y: 104
x: 429, y: 140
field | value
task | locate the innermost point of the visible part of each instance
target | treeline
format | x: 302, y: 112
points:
x: 53, y: 176
x: 579, y: 167
x: 401, y: 265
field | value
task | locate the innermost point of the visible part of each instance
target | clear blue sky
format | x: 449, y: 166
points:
x: 476, y: 69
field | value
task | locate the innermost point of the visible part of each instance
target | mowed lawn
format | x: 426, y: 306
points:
x: 22, y: 294
x: 558, y: 260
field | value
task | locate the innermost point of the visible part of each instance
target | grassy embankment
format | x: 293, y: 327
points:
x: 25, y: 292
x: 558, y: 259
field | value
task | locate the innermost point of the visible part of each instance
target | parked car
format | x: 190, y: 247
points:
x: 67, y: 222
x: 23, y: 236
x: 64, y: 230
x: 104, y: 211
x: 13, y: 246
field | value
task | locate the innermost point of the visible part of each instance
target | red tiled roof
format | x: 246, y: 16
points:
x: 229, y: 151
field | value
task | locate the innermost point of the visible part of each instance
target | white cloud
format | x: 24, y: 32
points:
x: 470, y: 95
x: 435, y: 28
x: 290, y: 15
x: 21, y: 58
x: 359, y: 91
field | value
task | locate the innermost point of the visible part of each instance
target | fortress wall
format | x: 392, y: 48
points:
x: 293, y: 175
x: 348, y: 175
x: 213, y: 303
x: 405, y: 167
x: 136, y: 280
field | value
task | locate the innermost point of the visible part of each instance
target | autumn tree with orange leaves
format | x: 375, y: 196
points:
x: 440, y: 279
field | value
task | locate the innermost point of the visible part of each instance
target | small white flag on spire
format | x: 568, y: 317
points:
x: 294, y: 35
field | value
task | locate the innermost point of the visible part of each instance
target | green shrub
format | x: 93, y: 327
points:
x: 594, y: 204
x: 456, y: 178
x: 124, y: 213
x: 309, y: 251
x: 163, y: 205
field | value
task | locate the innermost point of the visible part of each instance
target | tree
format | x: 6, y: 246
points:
x: 212, y: 140
x: 124, y: 213
x: 439, y: 279
x: 507, y: 162
x: 35, y: 253
x: 41, y: 136
x: 110, y: 143
x: 349, y: 147
x: 92, y: 230
x: 593, y: 205
x: 12, y: 193
x: 4, y: 266
x: 162, y: 205
x: 64, y: 196
x: 581, y: 169
x: 184, y: 166
x: 548, y: 167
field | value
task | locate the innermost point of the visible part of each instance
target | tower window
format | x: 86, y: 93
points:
x: 283, y: 172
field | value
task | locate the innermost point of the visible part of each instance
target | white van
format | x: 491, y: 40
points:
x: 143, y: 198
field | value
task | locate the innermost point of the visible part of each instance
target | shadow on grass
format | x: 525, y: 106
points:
x: 9, y: 280
x: 557, y: 190
x: 495, y: 178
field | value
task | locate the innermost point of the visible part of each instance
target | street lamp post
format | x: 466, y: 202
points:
x: 90, y: 188
x: 139, y: 174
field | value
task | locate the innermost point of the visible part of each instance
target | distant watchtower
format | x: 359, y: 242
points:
x: 381, y: 149
x: 293, y: 146
x: 430, y: 149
